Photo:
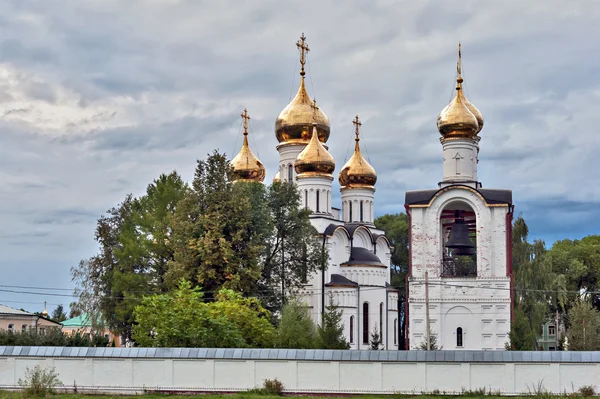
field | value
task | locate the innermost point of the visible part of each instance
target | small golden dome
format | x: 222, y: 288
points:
x: 277, y: 178
x: 314, y: 160
x: 460, y: 118
x: 357, y: 172
x: 246, y: 166
x: 295, y: 121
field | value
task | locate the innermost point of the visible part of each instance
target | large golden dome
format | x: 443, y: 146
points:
x: 460, y: 118
x: 294, y: 123
x: 246, y: 166
x: 314, y: 160
x: 357, y: 172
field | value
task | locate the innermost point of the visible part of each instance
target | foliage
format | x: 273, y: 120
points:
x: 433, y: 344
x: 58, y: 314
x: 52, y: 336
x: 584, y: 327
x: 39, y: 382
x: 331, y: 330
x: 587, y: 391
x: 376, y: 342
x: 185, y: 318
x: 296, y: 328
x: 521, y: 335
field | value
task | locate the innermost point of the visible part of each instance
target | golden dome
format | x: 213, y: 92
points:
x: 277, y: 178
x: 294, y: 123
x: 460, y: 118
x: 357, y: 172
x: 246, y: 165
x: 314, y: 160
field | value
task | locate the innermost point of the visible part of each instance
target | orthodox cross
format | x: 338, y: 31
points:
x: 459, y: 62
x: 357, y: 125
x: 457, y: 158
x: 246, y: 118
x: 301, y: 44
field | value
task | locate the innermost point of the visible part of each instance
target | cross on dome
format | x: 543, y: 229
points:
x: 303, y: 47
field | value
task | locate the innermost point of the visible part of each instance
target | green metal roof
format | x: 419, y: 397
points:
x: 82, y: 320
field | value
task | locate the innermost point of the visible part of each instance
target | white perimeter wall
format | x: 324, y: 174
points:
x: 105, y: 375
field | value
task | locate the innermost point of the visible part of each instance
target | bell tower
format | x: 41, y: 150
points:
x: 459, y: 284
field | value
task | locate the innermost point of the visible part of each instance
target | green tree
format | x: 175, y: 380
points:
x: 584, y: 329
x: 183, y: 319
x: 331, y: 330
x: 433, y: 344
x: 293, y: 251
x: 217, y: 232
x: 296, y: 328
x: 521, y: 335
x: 375, y: 343
x: 58, y: 314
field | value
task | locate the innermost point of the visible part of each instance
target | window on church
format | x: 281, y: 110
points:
x: 306, y: 198
x: 290, y: 174
x: 459, y: 337
x: 317, y: 201
x: 365, y: 333
x: 350, y: 210
x: 458, y: 225
x: 395, y: 331
x: 361, y: 211
x: 351, y: 329
x: 551, y: 330
x: 381, y: 321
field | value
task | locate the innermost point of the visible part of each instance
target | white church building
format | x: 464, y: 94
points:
x: 469, y: 307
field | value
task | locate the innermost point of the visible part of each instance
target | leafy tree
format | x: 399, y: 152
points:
x: 584, y: 327
x: 521, y: 335
x: 183, y: 319
x: 58, y: 314
x: 293, y: 252
x: 217, y: 233
x: 296, y: 328
x: 376, y: 343
x: 331, y: 330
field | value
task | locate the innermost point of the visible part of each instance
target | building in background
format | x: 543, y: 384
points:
x: 82, y: 325
x: 16, y: 320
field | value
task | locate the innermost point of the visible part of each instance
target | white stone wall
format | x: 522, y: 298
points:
x: 460, y: 160
x: 287, y: 156
x: 113, y: 375
x: 481, y: 305
x: 308, y: 187
x: 356, y: 197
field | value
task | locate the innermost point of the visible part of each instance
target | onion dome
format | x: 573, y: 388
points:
x: 295, y: 121
x: 357, y: 172
x: 314, y: 160
x: 246, y: 166
x: 460, y: 118
x: 277, y: 178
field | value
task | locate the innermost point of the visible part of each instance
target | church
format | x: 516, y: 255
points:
x: 459, y: 243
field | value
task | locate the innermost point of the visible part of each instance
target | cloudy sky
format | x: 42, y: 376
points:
x: 97, y: 98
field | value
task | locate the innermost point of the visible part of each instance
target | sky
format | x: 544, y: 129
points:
x: 99, y: 97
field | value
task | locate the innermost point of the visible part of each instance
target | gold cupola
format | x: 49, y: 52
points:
x: 460, y: 118
x: 314, y: 160
x: 294, y: 123
x: 357, y: 172
x: 246, y: 165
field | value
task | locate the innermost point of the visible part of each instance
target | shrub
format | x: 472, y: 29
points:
x: 39, y: 382
x: 273, y: 387
x: 587, y: 390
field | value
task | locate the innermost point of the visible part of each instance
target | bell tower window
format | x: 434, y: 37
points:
x: 350, y: 210
x: 361, y: 211
x: 318, y: 200
x: 459, y: 235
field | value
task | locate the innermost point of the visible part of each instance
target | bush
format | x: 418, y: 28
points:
x: 39, y: 382
x: 587, y: 390
x: 273, y: 387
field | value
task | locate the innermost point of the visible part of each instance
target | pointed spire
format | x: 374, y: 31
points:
x: 246, y: 165
x: 357, y: 124
x: 314, y: 160
x: 303, y: 47
x: 45, y: 312
x: 357, y: 172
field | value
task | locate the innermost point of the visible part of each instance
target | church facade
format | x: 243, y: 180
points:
x: 459, y: 280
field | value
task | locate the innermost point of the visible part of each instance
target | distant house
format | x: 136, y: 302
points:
x: 16, y: 320
x: 551, y: 336
x: 83, y: 325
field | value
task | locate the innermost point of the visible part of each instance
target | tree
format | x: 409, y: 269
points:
x: 433, y: 344
x: 296, y: 328
x: 584, y: 327
x: 521, y: 335
x: 293, y: 252
x: 375, y: 344
x: 331, y: 330
x: 183, y: 319
x: 58, y: 314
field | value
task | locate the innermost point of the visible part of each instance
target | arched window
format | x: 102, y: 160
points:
x: 11, y: 328
x: 317, y: 201
x: 290, y: 174
x: 350, y: 210
x: 351, y: 329
x: 381, y: 321
x: 361, y: 211
x: 459, y: 336
x: 395, y: 331
x: 24, y: 328
x: 306, y: 198
x: 365, y: 332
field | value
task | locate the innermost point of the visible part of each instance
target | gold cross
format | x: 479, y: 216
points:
x: 246, y: 118
x: 357, y: 125
x: 459, y: 62
x: 301, y: 44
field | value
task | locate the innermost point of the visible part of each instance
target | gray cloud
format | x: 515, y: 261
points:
x: 99, y: 98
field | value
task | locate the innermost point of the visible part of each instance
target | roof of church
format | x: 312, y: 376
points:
x: 339, y: 280
x: 12, y: 311
x: 362, y: 256
x: 491, y: 196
